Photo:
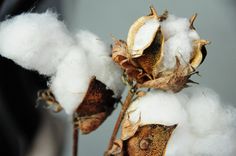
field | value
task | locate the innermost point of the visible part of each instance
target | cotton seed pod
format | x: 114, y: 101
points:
x: 96, y: 106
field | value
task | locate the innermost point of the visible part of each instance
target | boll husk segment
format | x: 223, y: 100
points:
x: 156, y: 56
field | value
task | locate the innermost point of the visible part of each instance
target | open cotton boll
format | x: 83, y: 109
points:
x: 145, y: 34
x: 179, y: 45
x: 205, y: 126
x: 173, y: 25
x: 35, y: 41
x: 71, y: 81
x: 100, y: 61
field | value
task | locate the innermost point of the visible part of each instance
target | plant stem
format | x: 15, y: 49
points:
x: 125, y: 106
x: 75, y: 140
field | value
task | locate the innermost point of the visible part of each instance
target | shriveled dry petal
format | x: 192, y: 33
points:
x: 96, y: 106
x: 122, y: 58
x: 116, y: 149
x: 149, y: 140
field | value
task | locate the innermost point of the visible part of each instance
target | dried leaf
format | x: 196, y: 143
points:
x: 96, y: 106
x: 47, y: 98
x: 149, y: 140
x: 121, y: 57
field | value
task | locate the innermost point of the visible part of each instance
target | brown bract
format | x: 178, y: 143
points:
x: 145, y: 65
x: 96, y: 106
x: 148, y: 140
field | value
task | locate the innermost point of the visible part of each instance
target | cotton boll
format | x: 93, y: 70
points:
x: 157, y: 107
x: 173, y: 25
x: 71, y: 81
x: 179, y: 45
x: 35, y: 41
x: 206, y: 127
x: 100, y: 62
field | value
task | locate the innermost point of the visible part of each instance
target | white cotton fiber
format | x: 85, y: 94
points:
x: 179, y: 45
x: 35, y: 41
x: 161, y: 103
x: 178, y: 41
x: 100, y: 62
x: 71, y: 81
x: 173, y: 25
x: 90, y: 57
x: 206, y: 127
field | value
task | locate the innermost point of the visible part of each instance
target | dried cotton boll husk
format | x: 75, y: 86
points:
x: 35, y: 41
x: 100, y: 61
x: 142, y: 33
x: 71, y: 81
x: 161, y: 52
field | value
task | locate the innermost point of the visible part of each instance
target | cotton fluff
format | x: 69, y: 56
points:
x: 100, y: 62
x: 71, y: 81
x: 178, y: 41
x: 173, y: 25
x: 35, y: 41
x: 206, y: 127
x: 89, y: 58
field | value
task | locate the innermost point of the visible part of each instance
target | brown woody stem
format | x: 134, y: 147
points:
x: 125, y: 106
x: 75, y: 140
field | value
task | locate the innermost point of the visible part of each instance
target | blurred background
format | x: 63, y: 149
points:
x: 27, y: 130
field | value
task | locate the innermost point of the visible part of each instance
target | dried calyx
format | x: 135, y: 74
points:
x: 149, y: 50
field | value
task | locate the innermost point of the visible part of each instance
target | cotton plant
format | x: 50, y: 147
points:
x: 159, y: 116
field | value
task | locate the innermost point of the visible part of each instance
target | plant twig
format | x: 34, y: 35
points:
x: 125, y: 106
x: 75, y: 140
